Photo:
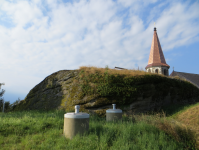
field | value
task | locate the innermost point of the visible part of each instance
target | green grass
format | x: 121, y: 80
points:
x: 44, y: 130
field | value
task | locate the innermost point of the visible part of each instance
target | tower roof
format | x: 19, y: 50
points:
x: 156, y: 57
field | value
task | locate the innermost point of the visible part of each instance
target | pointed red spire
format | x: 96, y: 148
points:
x: 156, y: 57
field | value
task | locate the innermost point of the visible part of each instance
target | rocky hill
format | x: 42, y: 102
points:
x: 96, y: 89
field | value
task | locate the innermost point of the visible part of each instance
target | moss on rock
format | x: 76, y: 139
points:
x: 97, y: 89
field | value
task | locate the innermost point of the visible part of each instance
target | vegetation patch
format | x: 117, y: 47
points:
x: 123, y: 87
x: 36, y: 129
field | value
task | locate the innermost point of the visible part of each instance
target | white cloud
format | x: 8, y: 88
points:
x: 21, y: 12
x: 181, y: 24
x: 50, y: 36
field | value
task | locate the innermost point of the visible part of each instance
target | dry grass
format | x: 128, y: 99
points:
x: 128, y: 72
x: 131, y: 72
x: 184, y: 124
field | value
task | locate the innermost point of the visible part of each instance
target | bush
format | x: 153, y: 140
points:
x: 9, y: 107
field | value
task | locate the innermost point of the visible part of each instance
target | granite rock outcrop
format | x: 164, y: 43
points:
x: 48, y: 94
x: 66, y: 88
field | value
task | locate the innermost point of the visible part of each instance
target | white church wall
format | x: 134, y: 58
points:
x: 160, y: 70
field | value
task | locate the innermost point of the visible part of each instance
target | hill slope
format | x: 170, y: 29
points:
x: 96, y: 89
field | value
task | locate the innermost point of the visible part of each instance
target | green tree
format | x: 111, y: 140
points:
x: 1, y: 99
x: 12, y: 106
x: 7, y: 106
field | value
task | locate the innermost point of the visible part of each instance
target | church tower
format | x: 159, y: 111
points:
x: 157, y: 63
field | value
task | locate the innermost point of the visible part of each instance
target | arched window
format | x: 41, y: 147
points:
x: 165, y: 72
x: 156, y: 71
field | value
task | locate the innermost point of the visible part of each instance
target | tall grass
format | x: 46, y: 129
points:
x: 44, y: 130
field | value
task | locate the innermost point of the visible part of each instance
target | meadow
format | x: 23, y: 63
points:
x: 40, y: 130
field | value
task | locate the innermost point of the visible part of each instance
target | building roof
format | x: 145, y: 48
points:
x: 193, y: 78
x: 156, y: 57
x: 120, y: 68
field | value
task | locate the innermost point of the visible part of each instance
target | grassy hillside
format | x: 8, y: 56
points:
x: 108, y: 86
x: 123, y: 87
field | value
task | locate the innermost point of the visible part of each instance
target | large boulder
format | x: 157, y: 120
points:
x: 49, y: 93
x: 95, y: 90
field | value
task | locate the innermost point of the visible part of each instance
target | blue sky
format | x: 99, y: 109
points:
x: 40, y: 37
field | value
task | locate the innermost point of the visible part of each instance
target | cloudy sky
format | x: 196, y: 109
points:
x: 40, y: 37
